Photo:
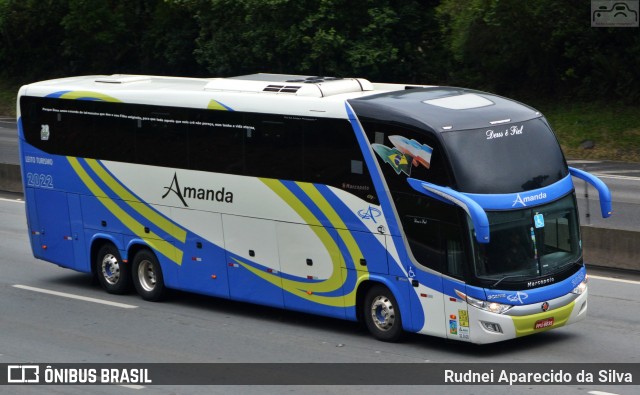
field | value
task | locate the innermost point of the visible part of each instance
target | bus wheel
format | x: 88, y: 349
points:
x: 147, y: 276
x: 381, y: 314
x: 113, y: 275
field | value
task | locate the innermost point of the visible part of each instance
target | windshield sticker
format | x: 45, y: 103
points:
x: 404, y: 154
x: 512, y: 131
x: 538, y: 219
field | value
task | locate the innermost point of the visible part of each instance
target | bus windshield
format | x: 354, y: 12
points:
x: 529, y: 243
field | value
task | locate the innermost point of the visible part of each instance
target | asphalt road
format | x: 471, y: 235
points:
x: 44, y: 328
x: 623, y: 179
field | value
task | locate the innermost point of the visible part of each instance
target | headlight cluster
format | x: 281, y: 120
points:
x: 493, y: 307
x: 582, y: 287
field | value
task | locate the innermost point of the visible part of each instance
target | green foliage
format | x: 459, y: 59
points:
x: 321, y: 37
x: 513, y: 47
x: 539, y: 48
x: 30, y: 38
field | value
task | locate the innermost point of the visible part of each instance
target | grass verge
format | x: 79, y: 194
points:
x: 613, y: 128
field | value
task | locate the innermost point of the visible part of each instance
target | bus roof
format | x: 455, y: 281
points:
x: 439, y: 108
x: 443, y: 109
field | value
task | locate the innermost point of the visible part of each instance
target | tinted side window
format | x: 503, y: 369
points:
x: 333, y: 156
x: 432, y: 228
x: 273, y: 148
x: 316, y: 150
x: 214, y: 146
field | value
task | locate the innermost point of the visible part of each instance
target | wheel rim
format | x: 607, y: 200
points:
x: 110, y: 269
x: 147, y: 275
x: 383, y: 313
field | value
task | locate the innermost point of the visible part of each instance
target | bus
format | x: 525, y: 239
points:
x: 411, y: 208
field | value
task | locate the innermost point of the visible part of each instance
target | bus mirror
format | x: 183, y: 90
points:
x: 603, y: 190
x: 448, y: 195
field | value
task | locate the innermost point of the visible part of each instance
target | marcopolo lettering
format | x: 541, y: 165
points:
x: 537, y: 283
x: 188, y: 192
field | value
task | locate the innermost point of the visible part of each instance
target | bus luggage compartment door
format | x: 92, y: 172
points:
x: 204, y: 268
x: 252, y: 260
x: 56, y: 239
x: 311, y: 266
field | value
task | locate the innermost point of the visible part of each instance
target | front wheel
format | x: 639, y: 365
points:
x: 382, y: 315
x: 113, y: 275
x: 147, y: 276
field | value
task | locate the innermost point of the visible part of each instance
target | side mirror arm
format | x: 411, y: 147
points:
x: 603, y: 190
x: 448, y: 195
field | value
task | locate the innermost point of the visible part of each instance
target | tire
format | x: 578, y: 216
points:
x: 113, y: 275
x: 147, y: 276
x: 382, y: 315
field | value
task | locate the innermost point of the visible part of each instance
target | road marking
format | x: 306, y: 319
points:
x: 137, y: 387
x: 12, y: 200
x: 620, y: 280
x: 601, y: 393
x: 616, y: 177
x: 583, y: 161
x: 78, y: 297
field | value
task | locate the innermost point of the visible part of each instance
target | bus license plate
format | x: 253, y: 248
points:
x: 547, y: 322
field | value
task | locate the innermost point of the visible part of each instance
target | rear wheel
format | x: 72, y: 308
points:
x: 113, y: 275
x: 147, y: 276
x: 381, y: 314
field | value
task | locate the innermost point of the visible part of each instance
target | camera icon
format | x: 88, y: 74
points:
x: 620, y: 14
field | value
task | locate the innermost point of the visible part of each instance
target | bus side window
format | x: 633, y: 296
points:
x: 273, y: 149
x: 216, y: 148
x: 332, y: 156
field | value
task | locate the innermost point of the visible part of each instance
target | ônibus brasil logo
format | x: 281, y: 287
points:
x: 213, y: 195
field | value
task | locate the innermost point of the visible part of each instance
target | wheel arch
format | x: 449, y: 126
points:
x: 404, y: 305
x: 100, y: 239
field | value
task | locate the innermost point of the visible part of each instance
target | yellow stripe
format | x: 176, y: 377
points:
x: 335, y: 281
x: 334, y: 219
x: 142, y: 209
x: 214, y: 105
x: 94, y: 95
x: 525, y: 325
x: 165, y: 248
x: 338, y: 278
x: 300, y: 288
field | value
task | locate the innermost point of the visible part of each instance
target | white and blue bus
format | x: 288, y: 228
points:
x: 437, y: 210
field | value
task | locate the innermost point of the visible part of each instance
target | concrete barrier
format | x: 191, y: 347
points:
x: 10, y: 178
x: 613, y: 248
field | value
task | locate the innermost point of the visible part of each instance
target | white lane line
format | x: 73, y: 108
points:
x: 12, y: 200
x: 78, y: 297
x: 616, y: 177
x: 619, y: 280
x: 133, y: 386
x: 601, y: 393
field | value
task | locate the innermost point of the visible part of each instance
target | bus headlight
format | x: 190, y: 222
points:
x: 579, y: 290
x: 493, y: 307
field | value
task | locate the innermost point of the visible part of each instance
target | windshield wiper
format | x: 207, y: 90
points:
x: 506, y: 277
